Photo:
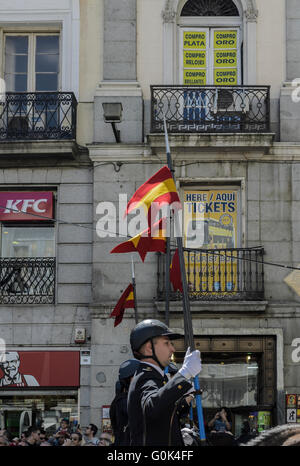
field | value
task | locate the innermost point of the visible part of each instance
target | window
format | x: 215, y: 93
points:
x: 27, y: 242
x: 211, y: 56
x: 31, y: 62
x: 34, y: 241
x: 209, y: 8
x: 210, y: 43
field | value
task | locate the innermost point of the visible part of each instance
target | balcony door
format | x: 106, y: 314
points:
x: 31, y: 67
x: 210, y: 56
x: 31, y: 62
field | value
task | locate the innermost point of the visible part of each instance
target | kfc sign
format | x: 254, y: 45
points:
x: 36, y: 205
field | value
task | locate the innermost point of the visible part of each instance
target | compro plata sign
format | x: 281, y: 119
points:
x: 194, y: 40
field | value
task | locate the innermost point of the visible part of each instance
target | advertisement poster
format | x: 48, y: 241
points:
x: 40, y: 369
x: 211, y: 222
x: 263, y: 420
x: 225, y: 57
x: 195, y: 44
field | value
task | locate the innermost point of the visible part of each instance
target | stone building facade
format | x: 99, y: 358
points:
x: 240, y: 141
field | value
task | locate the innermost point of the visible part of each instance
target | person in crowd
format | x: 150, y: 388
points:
x: 90, y: 435
x: 3, y: 441
x: 118, y: 408
x: 221, y: 421
x: 153, y: 397
x: 74, y: 441
x: 105, y: 439
x: 220, y: 429
x: 33, y: 436
x: 64, y: 427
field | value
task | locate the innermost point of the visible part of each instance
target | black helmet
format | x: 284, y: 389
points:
x: 148, y: 329
x: 128, y: 368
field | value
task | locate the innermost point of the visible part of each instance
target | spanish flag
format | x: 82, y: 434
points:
x: 144, y: 242
x: 125, y: 302
x: 175, y: 273
x: 160, y: 188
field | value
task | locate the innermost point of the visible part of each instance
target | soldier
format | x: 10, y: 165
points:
x: 152, y: 397
x: 118, y: 409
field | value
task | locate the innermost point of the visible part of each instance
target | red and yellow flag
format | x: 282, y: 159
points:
x: 144, y: 242
x: 175, y: 273
x: 125, y: 302
x: 159, y: 189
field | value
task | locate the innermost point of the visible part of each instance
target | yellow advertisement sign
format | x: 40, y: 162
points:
x: 224, y: 58
x: 194, y: 59
x: 225, y: 39
x: 194, y: 40
x: 194, y: 77
x: 210, y: 220
x: 225, y: 77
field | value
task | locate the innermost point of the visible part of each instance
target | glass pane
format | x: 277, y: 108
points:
x: 46, y: 412
x: 16, y: 82
x: 47, y: 44
x: 28, y: 242
x: 46, y: 82
x: 16, y: 44
x: 229, y: 384
x: 16, y: 63
x: 46, y: 62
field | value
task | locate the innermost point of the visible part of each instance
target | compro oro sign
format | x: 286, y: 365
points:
x: 22, y: 206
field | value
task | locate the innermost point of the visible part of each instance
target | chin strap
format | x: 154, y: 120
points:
x: 140, y: 356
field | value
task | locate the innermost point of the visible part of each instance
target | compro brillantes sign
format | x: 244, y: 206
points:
x: 39, y: 369
x: 20, y: 206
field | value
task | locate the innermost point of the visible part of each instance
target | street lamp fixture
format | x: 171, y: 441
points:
x: 112, y: 113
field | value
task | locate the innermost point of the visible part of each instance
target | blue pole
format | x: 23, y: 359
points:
x: 199, y: 411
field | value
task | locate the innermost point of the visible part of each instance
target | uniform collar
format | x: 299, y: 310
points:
x: 155, y: 367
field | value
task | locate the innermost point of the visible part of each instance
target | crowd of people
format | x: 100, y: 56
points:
x: 63, y: 437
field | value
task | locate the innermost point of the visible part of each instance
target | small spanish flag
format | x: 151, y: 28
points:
x: 144, y: 242
x: 159, y: 189
x: 175, y: 273
x: 125, y: 302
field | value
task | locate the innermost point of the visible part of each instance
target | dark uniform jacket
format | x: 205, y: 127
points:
x: 119, y: 419
x: 151, y: 405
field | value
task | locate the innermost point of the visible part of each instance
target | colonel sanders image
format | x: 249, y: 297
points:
x: 12, y: 377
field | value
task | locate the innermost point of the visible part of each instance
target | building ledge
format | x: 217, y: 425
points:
x: 10, y: 150
x: 212, y: 307
x: 189, y: 142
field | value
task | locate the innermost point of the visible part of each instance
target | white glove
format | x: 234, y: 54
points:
x: 191, y: 365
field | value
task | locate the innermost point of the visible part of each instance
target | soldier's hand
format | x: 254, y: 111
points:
x: 191, y: 365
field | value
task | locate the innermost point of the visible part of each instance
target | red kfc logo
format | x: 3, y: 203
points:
x: 26, y: 205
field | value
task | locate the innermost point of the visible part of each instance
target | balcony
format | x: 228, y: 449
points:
x: 27, y: 280
x: 218, y: 274
x: 210, y: 109
x: 35, y: 116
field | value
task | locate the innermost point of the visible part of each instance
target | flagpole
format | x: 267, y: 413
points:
x: 188, y: 326
x: 168, y: 242
x: 134, y: 291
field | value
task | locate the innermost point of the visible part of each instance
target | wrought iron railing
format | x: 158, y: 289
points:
x: 38, y: 115
x: 27, y: 280
x: 210, y: 109
x: 219, y: 274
